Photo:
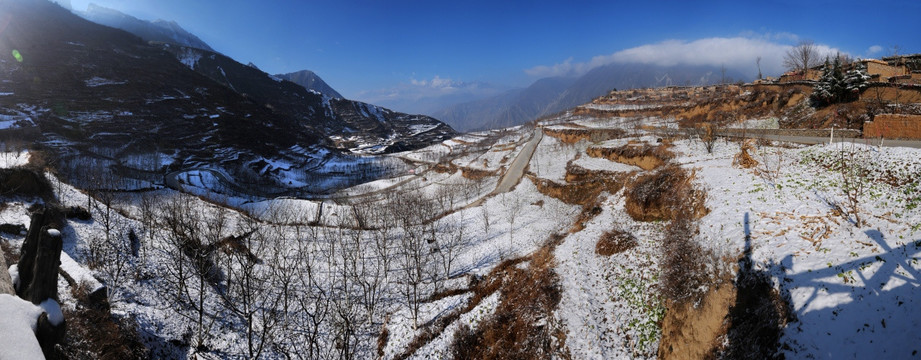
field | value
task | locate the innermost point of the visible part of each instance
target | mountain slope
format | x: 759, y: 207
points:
x: 97, y: 94
x: 310, y: 81
x: 551, y: 95
x: 158, y: 30
x: 511, y: 108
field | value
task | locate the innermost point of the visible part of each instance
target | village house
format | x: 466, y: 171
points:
x: 881, y: 71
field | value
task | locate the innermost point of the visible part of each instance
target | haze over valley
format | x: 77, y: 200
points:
x: 416, y: 180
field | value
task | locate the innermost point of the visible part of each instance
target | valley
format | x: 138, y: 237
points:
x: 159, y: 199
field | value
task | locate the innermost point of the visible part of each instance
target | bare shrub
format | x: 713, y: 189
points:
x: 743, y: 159
x: 521, y: 326
x: 25, y: 182
x: 613, y: 242
x: 590, y: 209
x: 854, y: 167
x: 94, y: 333
x: 707, y: 135
x: 772, y: 162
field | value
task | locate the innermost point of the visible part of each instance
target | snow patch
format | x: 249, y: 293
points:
x: 17, y: 329
x: 189, y: 57
x: 98, y: 81
x: 53, y: 309
x: 13, y: 159
x: 14, y: 274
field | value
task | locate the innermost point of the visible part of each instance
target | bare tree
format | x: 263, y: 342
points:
x: 707, y: 135
x: 484, y: 215
x: 250, y: 294
x: 314, y: 298
x: 802, y: 57
x: 415, y: 255
x: 758, y: 62
x: 449, y: 245
x: 513, y: 206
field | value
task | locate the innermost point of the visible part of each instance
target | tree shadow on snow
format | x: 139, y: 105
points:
x: 863, y: 308
x: 869, y: 305
x: 757, y: 320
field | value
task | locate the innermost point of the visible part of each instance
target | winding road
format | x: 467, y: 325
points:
x: 516, y: 169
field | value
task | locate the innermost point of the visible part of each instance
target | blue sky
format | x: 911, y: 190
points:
x: 372, y: 49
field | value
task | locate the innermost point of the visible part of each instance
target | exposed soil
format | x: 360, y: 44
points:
x: 663, y: 195
x: 572, y: 136
x: 690, y: 332
x: 645, y: 156
x: 613, y: 242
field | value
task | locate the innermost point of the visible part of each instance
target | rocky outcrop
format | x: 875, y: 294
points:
x: 6, y: 283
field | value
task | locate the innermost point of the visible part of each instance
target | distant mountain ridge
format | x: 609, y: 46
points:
x: 171, y: 32
x: 311, y: 81
x: 157, y: 30
x: 551, y: 95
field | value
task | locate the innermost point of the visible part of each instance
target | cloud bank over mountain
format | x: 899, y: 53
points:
x: 737, y: 53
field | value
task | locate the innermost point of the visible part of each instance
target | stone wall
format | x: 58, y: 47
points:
x: 893, y: 126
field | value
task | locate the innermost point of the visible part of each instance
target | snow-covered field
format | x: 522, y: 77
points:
x: 342, y: 266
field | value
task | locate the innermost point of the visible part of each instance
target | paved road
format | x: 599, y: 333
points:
x: 516, y: 169
x: 821, y: 139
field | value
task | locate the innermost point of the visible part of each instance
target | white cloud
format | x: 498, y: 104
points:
x: 437, y: 82
x: 737, y: 53
x: 875, y: 49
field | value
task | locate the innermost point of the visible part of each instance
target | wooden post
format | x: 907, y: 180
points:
x: 45, y: 271
x: 27, y: 253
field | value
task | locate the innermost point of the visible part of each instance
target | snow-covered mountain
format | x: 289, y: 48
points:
x: 157, y: 30
x: 311, y: 81
x: 188, y: 108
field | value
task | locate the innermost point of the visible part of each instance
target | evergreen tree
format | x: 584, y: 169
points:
x: 856, y: 80
x: 823, y: 91
x: 835, y: 87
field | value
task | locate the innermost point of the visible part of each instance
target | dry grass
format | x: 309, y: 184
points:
x: 743, y: 159
x: 482, y: 289
x: 577, y: 193
x: 572, y: 136
x: 645, y: 156
x: 477, y: 174
x: 576, y: 173
x: 589, y: 211
x: 94, y: 333
x: 586, y: 193
x: 528, y: 295
x: 613, y: 242
x: 520, y: 327
x: 664, y: 195
x: 444, y: 168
